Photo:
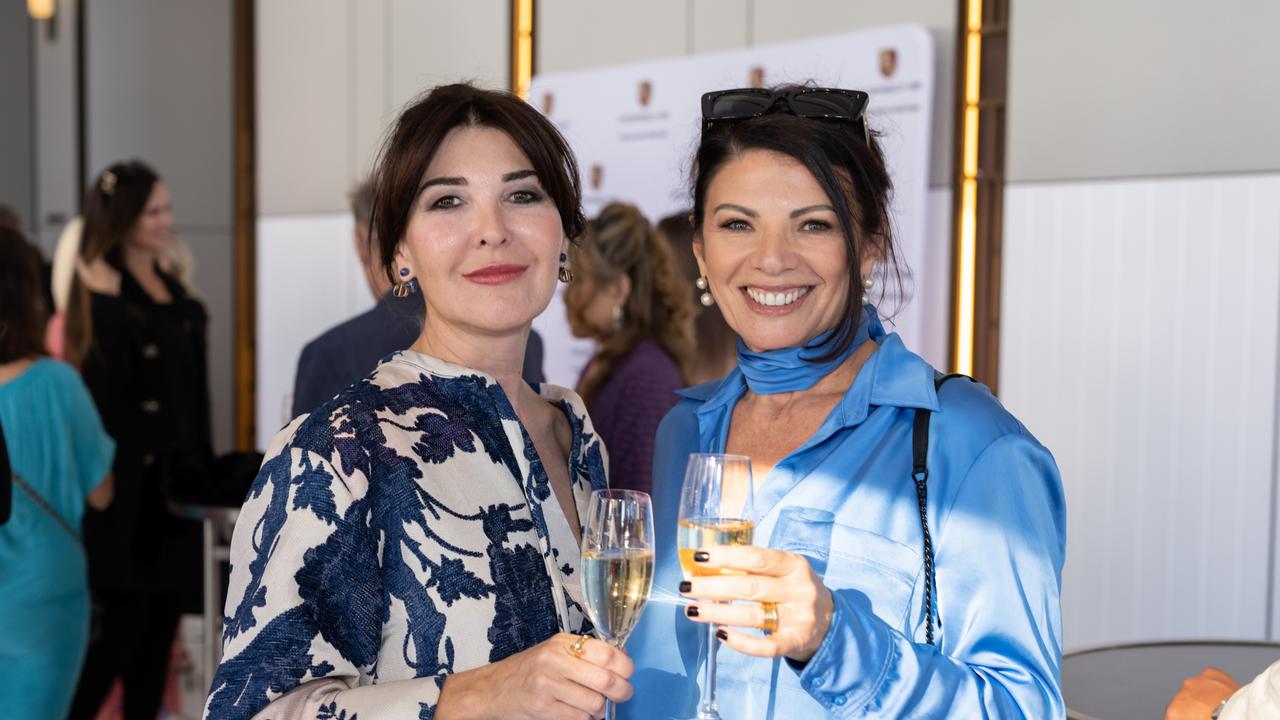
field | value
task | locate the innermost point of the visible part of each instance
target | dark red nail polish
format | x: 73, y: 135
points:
x: 722, y: 635
x: 701, y: 556
x: 691, y: 611
x: 685, y: 586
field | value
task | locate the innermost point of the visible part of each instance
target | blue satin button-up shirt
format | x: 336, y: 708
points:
x: 846, y: 500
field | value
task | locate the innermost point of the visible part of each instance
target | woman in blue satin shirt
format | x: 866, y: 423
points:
x: 791, y: 231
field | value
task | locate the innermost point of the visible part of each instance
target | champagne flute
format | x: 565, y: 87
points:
x: 617, y: 564
x: 716, y: 508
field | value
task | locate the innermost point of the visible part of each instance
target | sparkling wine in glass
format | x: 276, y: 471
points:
x: 716, y: 508
x: 617, y: 563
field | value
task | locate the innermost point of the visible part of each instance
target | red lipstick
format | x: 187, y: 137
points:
x: 496, y: 274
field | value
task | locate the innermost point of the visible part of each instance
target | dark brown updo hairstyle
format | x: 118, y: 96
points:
x: 22, y: 310
x: 421, y: 128
x: 622, y: 242
x: 112, y: 205
x: 850, y: 170
x: 716, y: 344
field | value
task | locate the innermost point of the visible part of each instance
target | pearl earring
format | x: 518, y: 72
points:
x: 706, y: 299
x: 867, y: 283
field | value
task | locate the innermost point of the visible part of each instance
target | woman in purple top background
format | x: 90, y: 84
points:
x: 627, y: 297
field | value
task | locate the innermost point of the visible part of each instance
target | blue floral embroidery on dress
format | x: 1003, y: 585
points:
x: 359, y: 530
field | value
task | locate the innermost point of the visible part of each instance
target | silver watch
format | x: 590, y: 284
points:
x: 1218, y: 710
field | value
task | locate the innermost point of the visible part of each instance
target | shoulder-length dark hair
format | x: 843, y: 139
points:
x: 850, y: 170
x: 22, y: 310
x: 716, y: 349
x: 421, y: 128
x: 621, y: 241
x: 112, y: 206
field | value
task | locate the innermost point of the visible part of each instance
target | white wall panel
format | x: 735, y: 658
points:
x: 158, y: 87
x: 1099, y: 88
x: 304, y: 105
x: 58, y: 183
x: 580, y: 34
x: 369, y: 84
x: 1139, y: 343
x: 432, y: 43
x: 333, y: 74
x: 718, y: 25
x: 317, y: 283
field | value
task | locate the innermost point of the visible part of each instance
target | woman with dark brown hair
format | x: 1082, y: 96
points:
x: 627, y: 297
x: 140, y: 341
x: 59, y: 457
x: 410, y: 548
x: 715, y: 349
x: 909, y: 533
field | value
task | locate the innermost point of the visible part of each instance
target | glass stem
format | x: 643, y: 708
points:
x: 708, y: 710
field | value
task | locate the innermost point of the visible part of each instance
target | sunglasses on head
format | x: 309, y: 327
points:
x: 822, y: 103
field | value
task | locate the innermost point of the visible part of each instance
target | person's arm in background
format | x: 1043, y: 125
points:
x: 1201, y: 694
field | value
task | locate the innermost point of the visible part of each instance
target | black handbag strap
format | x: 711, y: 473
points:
x: 6, y: 480
x: 920, y: 475
x: 45, y: 506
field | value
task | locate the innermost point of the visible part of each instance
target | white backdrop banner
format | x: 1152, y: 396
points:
x: 634, y: 129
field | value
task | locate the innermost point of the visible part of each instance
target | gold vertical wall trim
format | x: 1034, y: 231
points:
x: 521, y: 47
x: 966, y: 262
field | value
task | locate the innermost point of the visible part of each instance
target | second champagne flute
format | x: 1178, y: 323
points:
x: 716, y: 508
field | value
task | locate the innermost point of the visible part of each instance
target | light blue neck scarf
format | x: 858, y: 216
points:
x: 792, y: 369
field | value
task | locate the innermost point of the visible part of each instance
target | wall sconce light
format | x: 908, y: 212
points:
x: 41, y: 9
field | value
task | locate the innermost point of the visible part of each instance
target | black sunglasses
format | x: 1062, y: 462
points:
x: 822, y: 103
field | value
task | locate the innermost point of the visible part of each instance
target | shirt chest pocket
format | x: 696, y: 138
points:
x: 849, y: 558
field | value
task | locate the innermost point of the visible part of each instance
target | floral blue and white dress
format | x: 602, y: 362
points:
x: 404, y: 531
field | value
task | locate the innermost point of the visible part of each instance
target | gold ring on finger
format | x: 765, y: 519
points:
x: 578, y: 647
x: 769, y: 617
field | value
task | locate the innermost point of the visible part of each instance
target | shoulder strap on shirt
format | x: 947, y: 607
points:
x: 6, y: 480
x: 45, y: 506
x: 920, y: 475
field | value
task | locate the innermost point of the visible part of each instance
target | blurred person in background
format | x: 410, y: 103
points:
x: 715, y: 344
x: 60, y: 459
x: 410, y: 548
x: 139, y: 338
x: 350, y: 350
x: 10, y: 219
x: 626, y: 295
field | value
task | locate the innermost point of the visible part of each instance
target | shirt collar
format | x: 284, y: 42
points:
x: 893, y: 376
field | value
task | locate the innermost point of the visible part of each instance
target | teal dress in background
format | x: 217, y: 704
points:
x: 58, y: 445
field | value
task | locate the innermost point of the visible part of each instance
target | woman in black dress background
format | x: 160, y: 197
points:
x: 139, y: 338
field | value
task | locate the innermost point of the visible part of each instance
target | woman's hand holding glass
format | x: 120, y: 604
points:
x: 802, y: 605
x: 549, y: 681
